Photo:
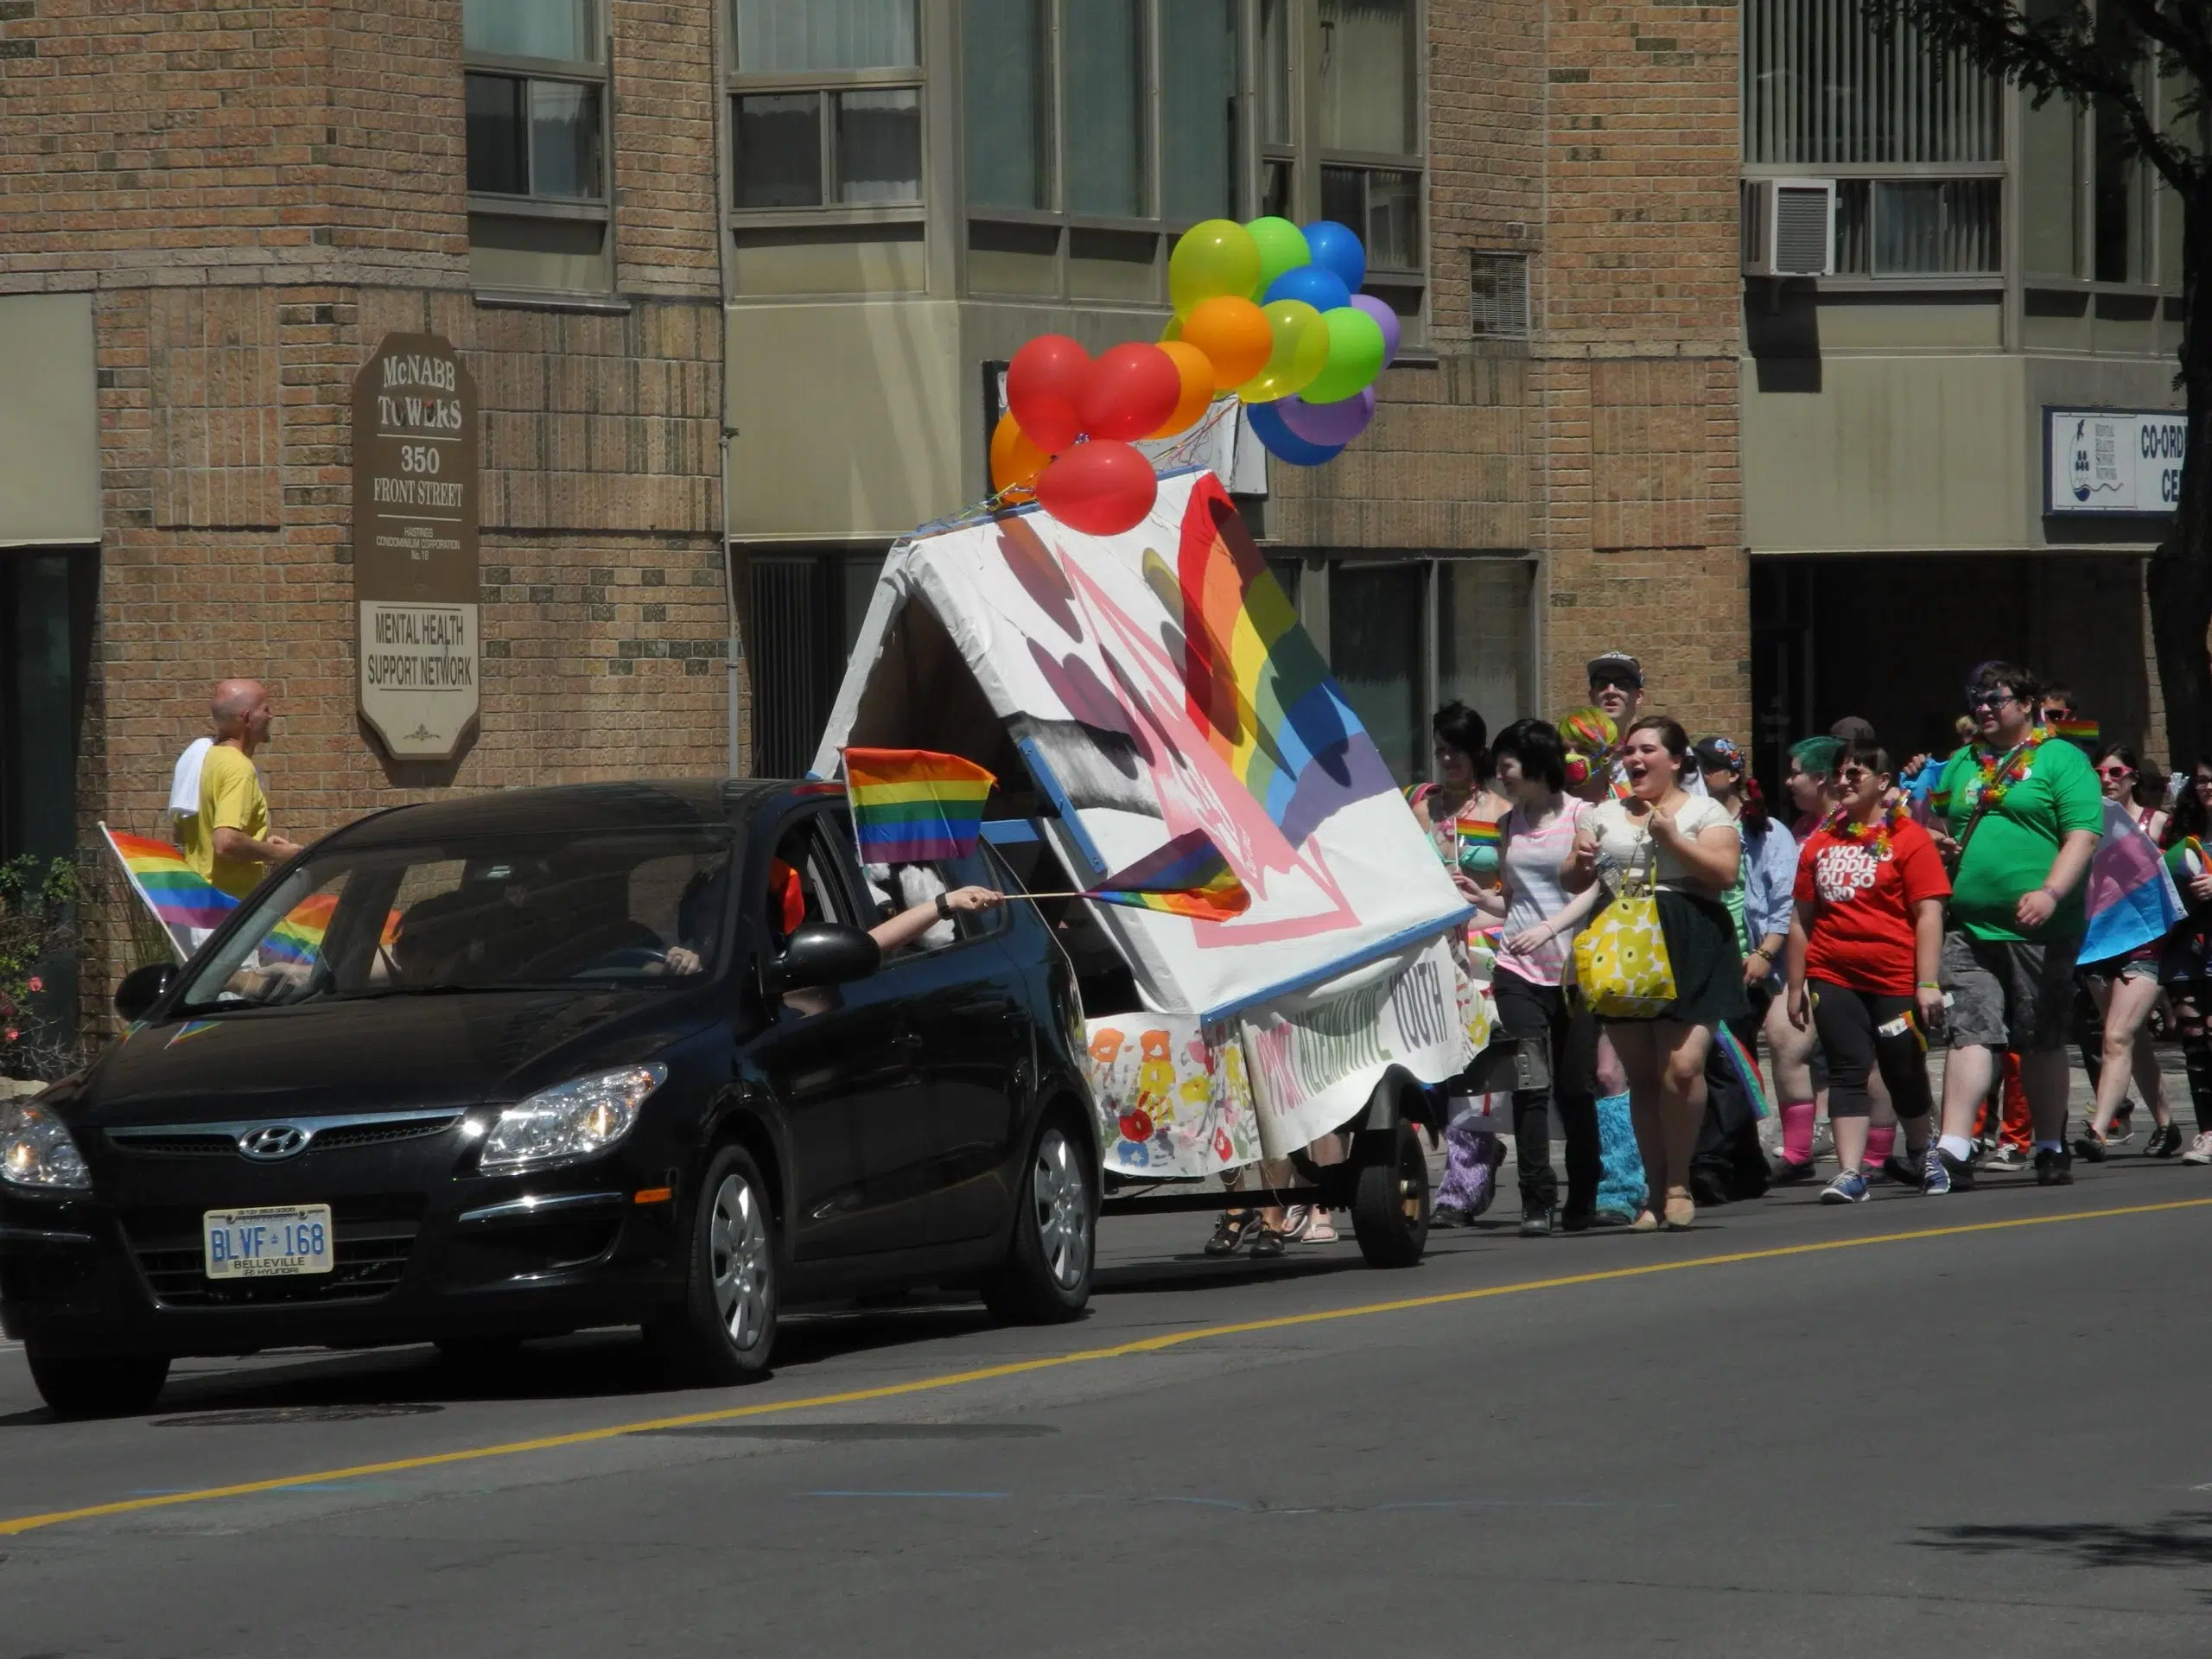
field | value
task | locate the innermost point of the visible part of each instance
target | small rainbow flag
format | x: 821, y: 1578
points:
x: 1745, y: 1065
x: 913, y: 806
x: 2076, y: 729
x: 1187, y: 877
x: 1479, y: 833
x: 182, y: 900
x: 298, y: 938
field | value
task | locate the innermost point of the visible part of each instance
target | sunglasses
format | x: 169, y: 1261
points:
x: 1618, y: 682
x: 2127, y: 772
x: 1852, y: 774
x: 1989, y: 699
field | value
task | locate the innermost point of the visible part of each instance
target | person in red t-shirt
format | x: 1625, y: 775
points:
x: 1864, y: 945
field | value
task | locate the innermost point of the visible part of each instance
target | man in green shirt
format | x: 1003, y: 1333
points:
x: 2019, y: 815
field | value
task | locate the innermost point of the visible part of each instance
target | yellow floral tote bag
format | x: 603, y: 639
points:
x: 1620, y: 959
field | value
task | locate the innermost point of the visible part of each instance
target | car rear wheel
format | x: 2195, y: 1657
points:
x: 1389, y: 1203
x: 1047, y: 1278
x: 107, y: 1385
x: 726, y: 1328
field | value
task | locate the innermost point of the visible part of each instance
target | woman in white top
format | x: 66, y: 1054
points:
x: 1540, y: 918
x: 1686, y: 847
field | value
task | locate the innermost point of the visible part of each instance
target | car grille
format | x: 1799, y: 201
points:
x: 374, y: 1239
x: 205, y: 1143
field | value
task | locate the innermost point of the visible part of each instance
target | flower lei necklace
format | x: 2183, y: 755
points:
x: 1883, y: 830
x: 1997, y: 774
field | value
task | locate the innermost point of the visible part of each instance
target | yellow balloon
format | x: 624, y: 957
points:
x: 1214, y: 257
x: 1301, y: 351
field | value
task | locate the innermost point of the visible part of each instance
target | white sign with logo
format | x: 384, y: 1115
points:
x: 2112, y: 460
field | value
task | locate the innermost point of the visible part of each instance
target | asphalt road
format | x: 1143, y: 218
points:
x: 1960, y: 1426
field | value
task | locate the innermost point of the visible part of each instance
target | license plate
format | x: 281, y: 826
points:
x: 273, y: 1242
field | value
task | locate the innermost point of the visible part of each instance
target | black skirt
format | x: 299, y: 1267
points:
x: 1708, y: 965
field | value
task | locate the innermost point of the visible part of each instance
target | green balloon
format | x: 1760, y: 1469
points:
x: 1355, y: 351
x: 1211, y: 259
x: 1282, y: 247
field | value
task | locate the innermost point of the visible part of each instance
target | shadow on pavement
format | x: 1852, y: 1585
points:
x: 2181, y: 1539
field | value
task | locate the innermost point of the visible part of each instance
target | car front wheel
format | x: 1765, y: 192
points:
x: 109, y: 1385
x: 1047, y: 1278
x: 726, y: 1328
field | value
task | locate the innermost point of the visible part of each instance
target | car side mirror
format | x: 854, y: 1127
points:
x: 144, y: 987
x: 824, y: 953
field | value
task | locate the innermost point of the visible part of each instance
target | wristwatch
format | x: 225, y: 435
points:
x: 943, y: 910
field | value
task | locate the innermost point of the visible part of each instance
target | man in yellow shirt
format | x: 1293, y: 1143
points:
x: 229, y: 841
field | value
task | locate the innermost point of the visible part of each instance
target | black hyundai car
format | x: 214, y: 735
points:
x: 534, y: 1061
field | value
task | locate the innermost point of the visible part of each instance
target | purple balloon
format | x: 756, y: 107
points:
x: 1386, y: 319
x: 1329, y: 425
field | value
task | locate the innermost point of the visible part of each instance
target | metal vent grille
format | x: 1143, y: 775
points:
x: 1800, y: 231
x: 1498, y: 306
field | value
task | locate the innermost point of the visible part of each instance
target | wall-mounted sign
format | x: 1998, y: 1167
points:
x: 2112, y: 460
x: 415, y: 576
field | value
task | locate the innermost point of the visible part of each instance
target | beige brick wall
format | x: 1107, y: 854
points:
x: 257, y: 197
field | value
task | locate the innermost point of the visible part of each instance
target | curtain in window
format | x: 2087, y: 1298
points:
x: 1104, y: 80
x: 797, y: 36
x: 1006, y: 103
x: 1198, y: 73
x: 1821, y: 87
x: 1367, y: 76
x: 530, y: 29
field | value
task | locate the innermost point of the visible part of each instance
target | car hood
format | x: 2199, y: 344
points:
x: 391, y: 1053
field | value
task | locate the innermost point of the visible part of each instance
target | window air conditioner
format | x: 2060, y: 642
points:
x: 1790, y: 227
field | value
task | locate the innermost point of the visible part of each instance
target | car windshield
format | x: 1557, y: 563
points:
x: 519, y: 912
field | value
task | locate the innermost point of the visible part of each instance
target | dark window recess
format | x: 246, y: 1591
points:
x: 807, y: 611
x: 779, y: 151
x: 499, y: 135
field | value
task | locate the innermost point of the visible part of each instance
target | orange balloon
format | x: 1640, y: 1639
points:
x: 1196, y: 369
x: 1016, y: 461
x: 1234, y: 334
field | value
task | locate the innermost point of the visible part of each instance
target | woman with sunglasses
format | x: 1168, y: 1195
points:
x: 2120, y: 775
x: 2185, y: 965
x: 1684, y: 846
x: 1865, y: 940
x: 2125, y: 989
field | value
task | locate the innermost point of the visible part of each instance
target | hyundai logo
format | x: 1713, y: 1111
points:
x: 274, y: 1141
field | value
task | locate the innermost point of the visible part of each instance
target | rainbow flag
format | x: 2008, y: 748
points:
x: 298, y: 938
x: 1187, y: 877
x: 1475, y: 834
x: 2075, y: 730
x: 187, y: 905
x: 913, y: 806
x: 1747, y: 1068
x: 1253, y: 683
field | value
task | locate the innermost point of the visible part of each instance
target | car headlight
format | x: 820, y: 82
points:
x: 36, y: 1150
x: 571, y: 1120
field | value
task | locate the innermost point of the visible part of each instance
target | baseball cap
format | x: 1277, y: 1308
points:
x: 1609, y: 663
x: 1717, y: 754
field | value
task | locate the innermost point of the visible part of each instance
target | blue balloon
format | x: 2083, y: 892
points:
x: 1279, y: 440
x: 1322, y: 289
x: 1337, y: 250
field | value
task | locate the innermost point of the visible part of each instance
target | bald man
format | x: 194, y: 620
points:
x: 228, y: 840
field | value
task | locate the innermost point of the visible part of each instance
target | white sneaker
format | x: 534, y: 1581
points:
x: 2200, y: 1150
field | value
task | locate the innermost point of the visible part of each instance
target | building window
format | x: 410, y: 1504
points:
x: 1824, y: 93
x: 827, y: 105
x: 1198, y: 114
x: 1499, y: 292
x: 807, y: 611
x: 1370, y: 128
x: 1104, y: 44
x: 535, y: 83
x: 1405, y: 636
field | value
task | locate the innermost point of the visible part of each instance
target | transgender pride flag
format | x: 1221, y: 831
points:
x: 2132, y: 900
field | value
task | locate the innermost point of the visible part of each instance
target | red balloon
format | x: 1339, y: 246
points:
x: 1044, y: 387
x: 1101, y: 488
x: 1131, y: 392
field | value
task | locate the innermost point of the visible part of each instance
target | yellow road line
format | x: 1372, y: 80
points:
x: 1018, y: 1368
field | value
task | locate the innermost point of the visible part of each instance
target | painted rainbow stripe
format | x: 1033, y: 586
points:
x: 913, y: 806
x: 1187, y: 877
x: 1253, y: 683
x: 178, y: 895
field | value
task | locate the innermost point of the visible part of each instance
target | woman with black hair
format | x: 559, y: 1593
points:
x: 2185, y: 964
x: 1460, y: 810
x: 1540, y: 922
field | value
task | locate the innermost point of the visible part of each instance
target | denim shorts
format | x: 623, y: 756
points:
x: 2006, y: 994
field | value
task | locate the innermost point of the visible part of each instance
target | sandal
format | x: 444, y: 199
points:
x: 1319, y: 1231
x: 1229, y: 1238
x: 1268, y: 1243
